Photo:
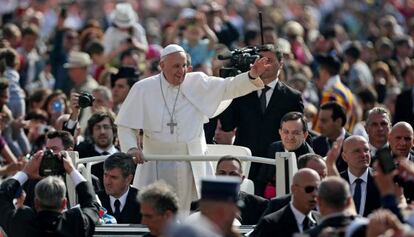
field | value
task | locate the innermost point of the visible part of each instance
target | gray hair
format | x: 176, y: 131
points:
x: 334, y: 191
x: 105, y: 91
x: 160, y: 196
x: 379, y: 111
x: 50, y: 192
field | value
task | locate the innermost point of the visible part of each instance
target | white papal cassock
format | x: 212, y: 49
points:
x: 200, y: 97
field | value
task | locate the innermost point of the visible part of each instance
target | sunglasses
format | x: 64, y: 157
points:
x: 309, y: 189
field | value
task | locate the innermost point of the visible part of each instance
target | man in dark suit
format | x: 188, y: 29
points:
x: 101, y: 136
x: 297, y: 216
x: 332, y: 119
x: 119, y: 198
x: 311, y: 161
x: 254, y: 206
x: 49, y: 218
x: 401, y: 141
x: 377, y: 125
x: 257, y: 115
x: 334, y: 201
x: 363, y: 188
x: 293, y: 132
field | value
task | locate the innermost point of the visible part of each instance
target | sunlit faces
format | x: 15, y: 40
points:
x: 103, y: 134
x: 292, y: 134
x: 174, y: 67
x: 115, y: 183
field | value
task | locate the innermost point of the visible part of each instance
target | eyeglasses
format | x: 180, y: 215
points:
x: 294, y: 132
x: 309, y: 189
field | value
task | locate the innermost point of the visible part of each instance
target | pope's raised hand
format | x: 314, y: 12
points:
x: 259, y: 67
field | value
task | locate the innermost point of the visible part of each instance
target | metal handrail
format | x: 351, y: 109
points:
x: 183, y: 158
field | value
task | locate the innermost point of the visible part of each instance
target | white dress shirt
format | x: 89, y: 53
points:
x: 300, y: 217
x: 111, y: 150
x: 269, y: 92
x: 364, y: 178
x: 121, y: 199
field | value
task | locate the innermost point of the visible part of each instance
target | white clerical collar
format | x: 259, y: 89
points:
x: 299, y: 216
x: 352, y: 177
x: 111, y: 150
x: 331, y: 82
x: 121, y: 199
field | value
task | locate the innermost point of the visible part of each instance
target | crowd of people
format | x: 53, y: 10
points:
x: 331, y: 81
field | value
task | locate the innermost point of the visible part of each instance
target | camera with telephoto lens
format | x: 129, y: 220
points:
x: 51, y: 165
x: 240, y: 60
x: 85, y: 100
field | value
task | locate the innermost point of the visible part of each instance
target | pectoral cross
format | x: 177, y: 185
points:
x: 172, y: 124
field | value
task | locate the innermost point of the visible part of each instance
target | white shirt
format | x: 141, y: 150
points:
x: 352, y: 179
x: 269, y: 92
x: 121, y: 199
x: 300, y: 217
x: 111, y: 150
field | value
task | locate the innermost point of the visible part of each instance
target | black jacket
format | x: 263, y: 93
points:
x: 275, y: 204
x: 131, y: 213
x: 338, y: 222
x: 280, y: 223
x: 373, y: 199
x: 26, y: 222
x: 257, y: 130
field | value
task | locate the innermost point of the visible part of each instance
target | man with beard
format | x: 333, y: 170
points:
x: 101, y: 133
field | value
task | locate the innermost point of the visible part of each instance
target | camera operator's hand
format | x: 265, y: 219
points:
x: 74, y: 105
x: 259, y: 67
x: 382, y: 221
x: 67, y: 162
x: 137, y: 155
x: 406, y: 170
x: 32, y: 167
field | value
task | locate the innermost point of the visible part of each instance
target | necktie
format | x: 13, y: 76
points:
x: 117, y: 212
x: 262, y: 98
x: 105, y: 153
x: 307, y: 224
x: 357, y: 194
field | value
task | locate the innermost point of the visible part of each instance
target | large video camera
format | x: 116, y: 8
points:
x: 51, y: 165
x: 240, y: 60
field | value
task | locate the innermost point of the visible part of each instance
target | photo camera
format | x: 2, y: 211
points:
x: 85, y: 100
x: 51, y: 165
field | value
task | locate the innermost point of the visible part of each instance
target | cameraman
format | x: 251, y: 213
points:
x: 50, y: 217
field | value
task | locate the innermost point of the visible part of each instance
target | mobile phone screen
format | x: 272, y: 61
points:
x: 386, y: 161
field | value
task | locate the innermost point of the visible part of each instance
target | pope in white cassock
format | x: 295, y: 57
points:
x: 171, y: 108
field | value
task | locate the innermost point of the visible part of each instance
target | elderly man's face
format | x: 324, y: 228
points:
x: 378, y: 127
x: 401, y: 141
x: 292, y: 134
x: 155, y: 221
x: 174, y: 68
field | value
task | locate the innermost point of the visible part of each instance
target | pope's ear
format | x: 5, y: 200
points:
x: 161, y: 66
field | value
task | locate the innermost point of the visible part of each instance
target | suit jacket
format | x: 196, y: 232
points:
x: 131, y: 213
x: 373, y: 198
x: 26, y: 222
x: 267, y: 172
x: 404, y: 107
x: 252, y: 210
x: 256, y: 130
x: 282, y: 223
x: 275, y: 204
x: 321, y: 146
x: 86, y: 149
x: 337, y: 221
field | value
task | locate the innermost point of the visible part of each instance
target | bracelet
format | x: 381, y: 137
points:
x: 250, y: 77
